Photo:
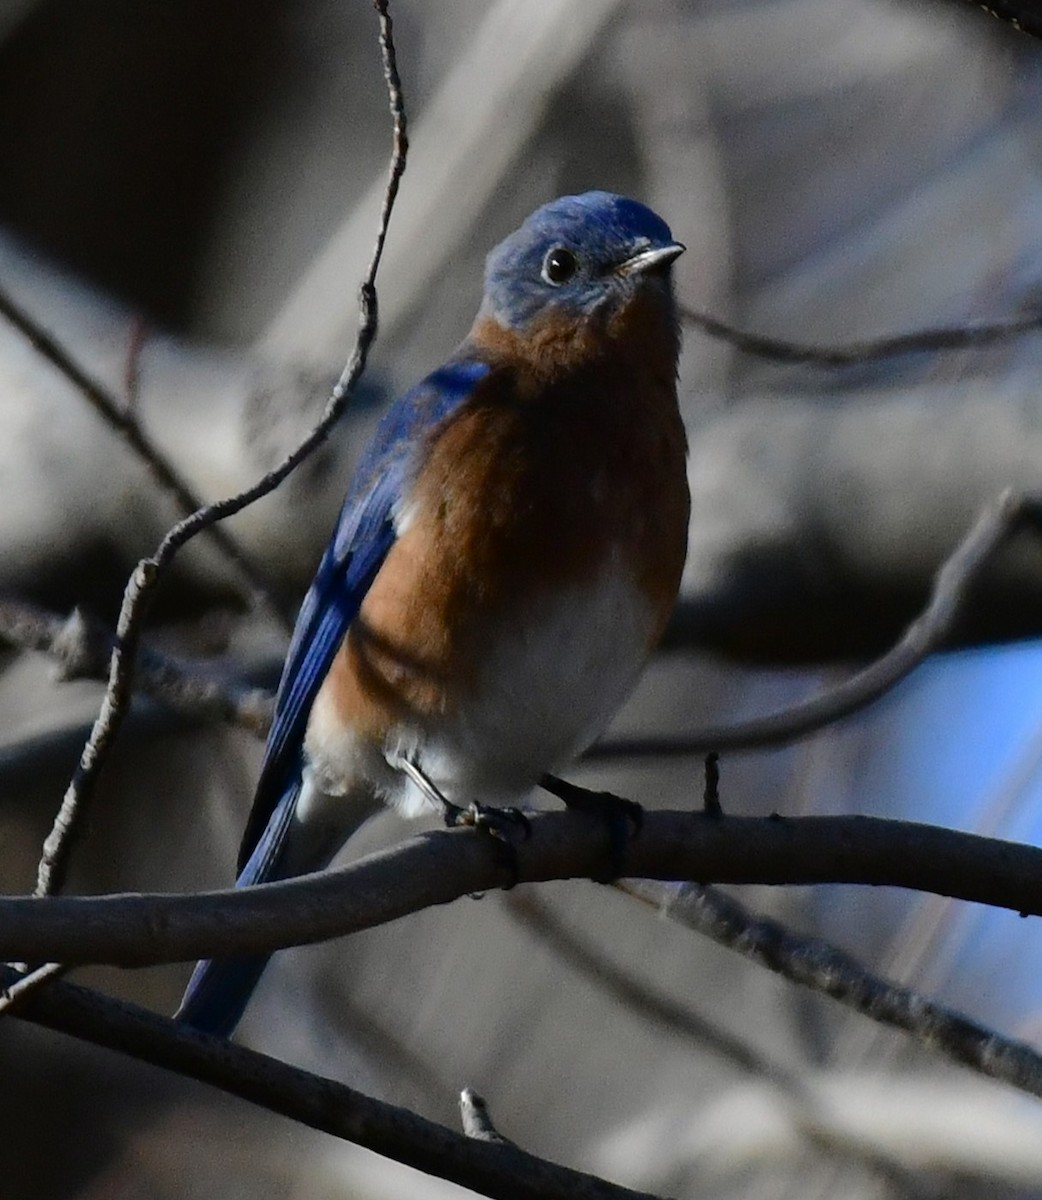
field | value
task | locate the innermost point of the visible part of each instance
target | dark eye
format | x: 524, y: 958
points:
x: 559, y: 265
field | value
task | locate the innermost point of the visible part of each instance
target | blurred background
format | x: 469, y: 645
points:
x: 188, y: 198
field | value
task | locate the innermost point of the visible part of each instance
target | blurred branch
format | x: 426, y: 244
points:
x: 149, y: 571
x: 490, y: 1167
x: 445, y: 865
x: 1023, y: 15
x: 821, y: 967
x: 82, y: 649
x: 954, y: 337
x: 537, y: 918
x: 121, y: 419
x: 808, y: 1109
x: 927, y: 633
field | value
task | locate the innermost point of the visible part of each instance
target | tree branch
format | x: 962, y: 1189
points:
x: 439, y: 867
x: 493, y: 1168
x: 121, y: 419
x: 927, y: 633
x: 445, y: 865
x: 149, y: 571
x: 821, y: 967
x: 82, y: 649
x: 950, y: 337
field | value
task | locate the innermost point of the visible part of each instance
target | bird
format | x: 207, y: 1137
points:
x: 506, y: 559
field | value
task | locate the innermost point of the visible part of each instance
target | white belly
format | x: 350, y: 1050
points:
x: 552, y: 680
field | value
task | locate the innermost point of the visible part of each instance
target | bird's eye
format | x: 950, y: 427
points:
x: 559, y: 265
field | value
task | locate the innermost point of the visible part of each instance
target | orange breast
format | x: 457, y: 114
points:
x: 535, y: 485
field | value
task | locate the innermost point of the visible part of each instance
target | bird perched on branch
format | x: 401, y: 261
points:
x: 507, y: 556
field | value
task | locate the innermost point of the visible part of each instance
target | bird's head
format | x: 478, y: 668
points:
x: 578, y: 266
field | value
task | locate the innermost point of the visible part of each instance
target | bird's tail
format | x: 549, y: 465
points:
x: 305, y: 830
x: 220, y: 988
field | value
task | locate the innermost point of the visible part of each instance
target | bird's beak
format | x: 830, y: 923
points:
x: 651, y: 260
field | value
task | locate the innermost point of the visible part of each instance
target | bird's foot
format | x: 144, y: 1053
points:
x: 623, y: 818
x: 503, y: 825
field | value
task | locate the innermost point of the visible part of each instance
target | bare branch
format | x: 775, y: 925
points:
x: 445, y: 865
x: 927, y: 633
x: 121, y: 418
x: 821, y: 967
x: 23, y: 985
x: 952, y: 337
x: 492, y: 1168
x: 143, y: 581
x: 82, y: 650
x: 475, y: 1119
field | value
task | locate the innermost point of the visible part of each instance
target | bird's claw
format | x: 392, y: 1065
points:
x: 503, y: 826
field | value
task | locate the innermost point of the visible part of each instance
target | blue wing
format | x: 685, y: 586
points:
x: 363, y: 536
x: 219, y: 989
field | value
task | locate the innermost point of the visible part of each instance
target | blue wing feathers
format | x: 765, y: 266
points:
x: 219, y: 990
x: 363, y: 536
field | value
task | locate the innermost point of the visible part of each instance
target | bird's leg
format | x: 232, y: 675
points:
x: 500, y: 823
x: 623, y: 818
x: 451, y: 813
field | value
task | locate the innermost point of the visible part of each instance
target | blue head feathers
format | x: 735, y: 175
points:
x: 577, y: 253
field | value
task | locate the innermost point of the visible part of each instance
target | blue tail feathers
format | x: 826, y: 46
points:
x: 220, y: 988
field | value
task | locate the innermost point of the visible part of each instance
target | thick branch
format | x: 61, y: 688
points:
x: 442, y: 866
x: 493, y: 1168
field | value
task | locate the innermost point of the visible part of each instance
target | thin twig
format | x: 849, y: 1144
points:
x: 496, y: 1169
x: 143, y: 581
x: 81, y: 648
x: 22, y: 987
x: 821, y: 967
x: 955, y: 337
x: 476, y: 1119
x: 927, y: 633
x: 122, y: 419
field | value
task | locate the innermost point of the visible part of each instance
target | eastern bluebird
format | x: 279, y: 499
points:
x: 507, y: 557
